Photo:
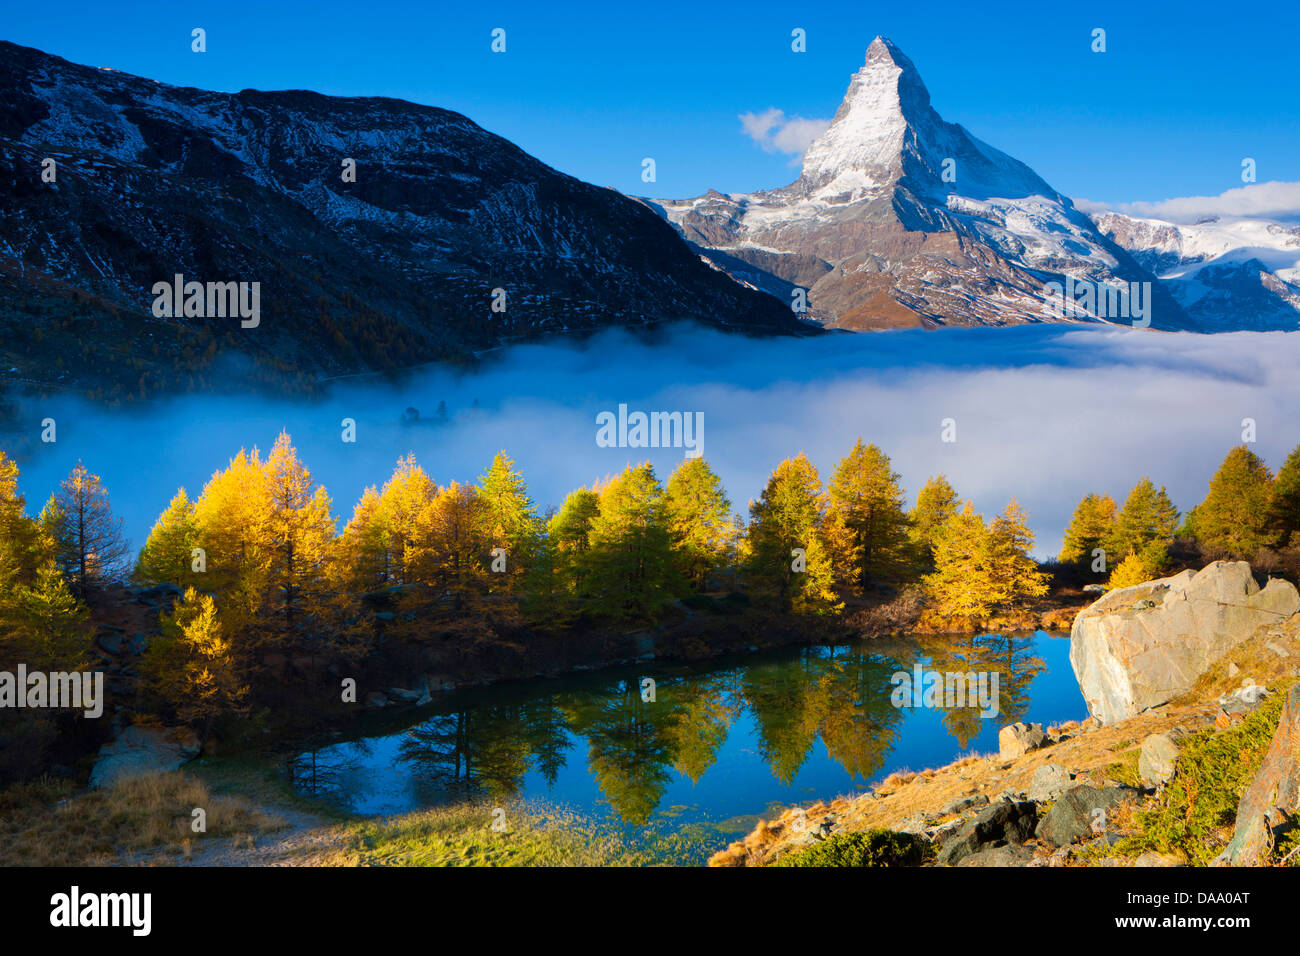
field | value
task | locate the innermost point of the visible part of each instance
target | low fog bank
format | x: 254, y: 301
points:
x: 1045, y: 413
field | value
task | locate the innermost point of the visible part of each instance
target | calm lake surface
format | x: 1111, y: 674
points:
x: 720, y: 745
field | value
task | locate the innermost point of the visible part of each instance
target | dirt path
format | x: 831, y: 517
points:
x: 306, y: 837
x: 304, y: 840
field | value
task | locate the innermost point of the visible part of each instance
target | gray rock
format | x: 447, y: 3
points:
x: 1020, y: 738
x: 1159, y: 756
x: 1152, y: 858
x: 1244, y: 699
x: 1000, y: 823
x: 376, y: 698
x: 164, y: 593
x: 1127, y: 660
x: 1080, y: 813
x: 110, y: 643
x: 140, y: 751
x: 138, y: 644
x: 940, y: 833
x: 1061, y: 856
x: 404, y: 696
x: 965, y: 803
x: 1008, y: 855
x: 915, y: 825
x: 1049, y: 782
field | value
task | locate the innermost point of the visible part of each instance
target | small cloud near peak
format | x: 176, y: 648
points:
x: 775, y: 132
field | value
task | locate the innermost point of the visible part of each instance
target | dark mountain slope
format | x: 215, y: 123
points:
x: 394, y: 269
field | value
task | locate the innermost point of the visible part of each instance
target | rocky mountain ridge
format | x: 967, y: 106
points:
x: 382, y: 234
x: 1229, y: 274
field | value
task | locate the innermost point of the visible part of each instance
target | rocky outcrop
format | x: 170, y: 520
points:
x: 962, y: 804
x: 1270, y: 806
x: 140, y: 751
x: 1142, y: 646
x: 1009, y: 854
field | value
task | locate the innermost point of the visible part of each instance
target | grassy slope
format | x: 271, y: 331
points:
x: 254, y: 819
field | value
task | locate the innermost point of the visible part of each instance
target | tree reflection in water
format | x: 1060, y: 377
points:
x: 635, y: 748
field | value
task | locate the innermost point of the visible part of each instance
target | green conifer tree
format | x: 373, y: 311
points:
x: 1092, y: 523
x: 167, y: 554
x: 866, y: 527
x: 1148, y: 515
x: 699, y: 520
x: 1233, y: 519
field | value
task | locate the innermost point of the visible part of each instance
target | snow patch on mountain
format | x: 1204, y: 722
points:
x: 1226, y: 272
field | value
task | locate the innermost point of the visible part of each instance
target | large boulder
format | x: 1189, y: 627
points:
x: 1081, y: 813
x: 140, y: 751
x: 110, y: 643
x: 1142, y: 646
x: 1016, y: 740
x: 1271, y: 803
x: 1005, y: 822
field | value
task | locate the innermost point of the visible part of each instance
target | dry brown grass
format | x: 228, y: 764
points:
x: 140, y: 820
x: 895, y: 780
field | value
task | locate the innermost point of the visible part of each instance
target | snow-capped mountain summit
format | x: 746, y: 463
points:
x: 901, y: 218
x: 1233, y: 273
x: 886, y: 131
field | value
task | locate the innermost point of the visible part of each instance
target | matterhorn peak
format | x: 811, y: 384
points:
x: 899, y: 217
x: 886, y: 133
x: 861, y: 148
x: 883, y: 51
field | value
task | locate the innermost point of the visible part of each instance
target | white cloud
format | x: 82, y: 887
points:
x: 777, y: 133
x: 1046, y: 413
x: 1271, y: 200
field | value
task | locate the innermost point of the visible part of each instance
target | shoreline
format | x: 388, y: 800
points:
x: 933, y: 804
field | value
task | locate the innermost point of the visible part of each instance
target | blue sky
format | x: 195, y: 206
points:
x: 1182, y: 94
